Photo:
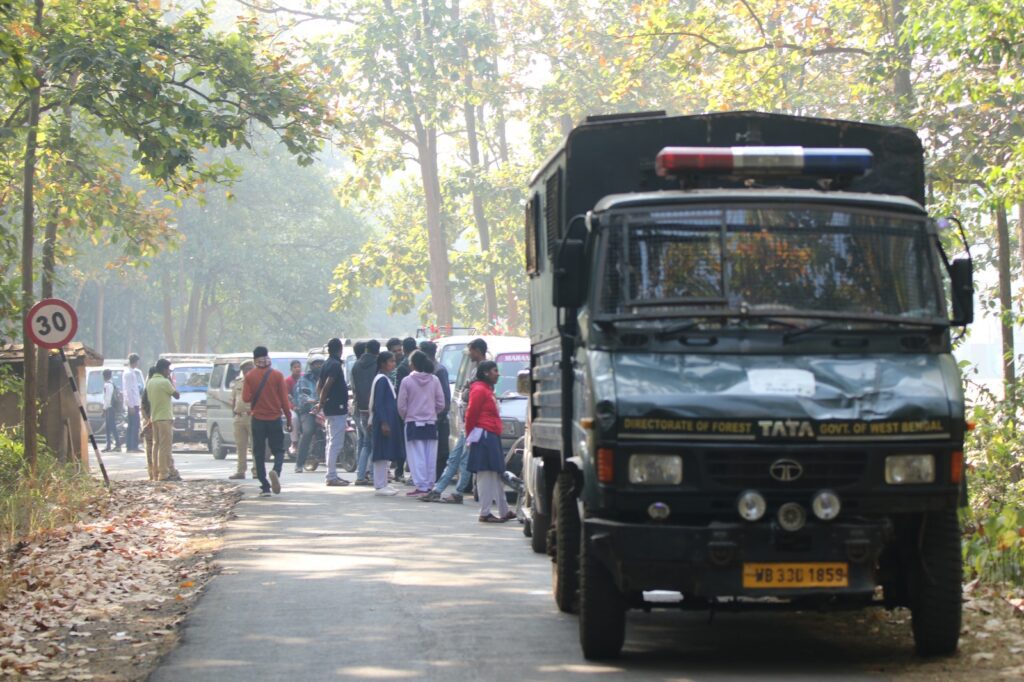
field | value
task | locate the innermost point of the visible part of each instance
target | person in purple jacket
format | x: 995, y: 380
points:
x: 420, y: 400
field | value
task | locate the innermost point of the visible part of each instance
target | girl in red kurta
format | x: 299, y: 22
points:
x: 483, y: 435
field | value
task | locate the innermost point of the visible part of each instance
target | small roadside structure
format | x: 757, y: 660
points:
x: 60, y: 422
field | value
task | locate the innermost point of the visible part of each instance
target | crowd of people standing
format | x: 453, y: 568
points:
x: 401, y: 404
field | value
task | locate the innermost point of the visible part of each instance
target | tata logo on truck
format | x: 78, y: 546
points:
x: 785, y: 428
x: 786, y: 470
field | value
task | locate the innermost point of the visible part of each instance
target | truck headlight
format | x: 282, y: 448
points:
x: 826, y: 505
x: 181, y: 410
x: 907, y: 469
x: 655, y: 469
x: 751, y: 505
x: 94, y: 408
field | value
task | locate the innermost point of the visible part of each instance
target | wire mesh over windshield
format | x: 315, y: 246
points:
x: 772, y: 259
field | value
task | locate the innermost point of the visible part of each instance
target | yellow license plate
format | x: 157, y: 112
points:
x: 804, y: 574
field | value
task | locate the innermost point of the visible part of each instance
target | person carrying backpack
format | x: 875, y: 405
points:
x: 113, y: 407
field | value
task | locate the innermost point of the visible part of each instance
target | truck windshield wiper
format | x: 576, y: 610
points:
x: 789, y: 336
x: 678, y: 329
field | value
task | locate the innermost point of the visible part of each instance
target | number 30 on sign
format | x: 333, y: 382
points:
x: 51, y: 323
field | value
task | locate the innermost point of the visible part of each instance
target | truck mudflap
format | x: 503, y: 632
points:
x: 737, y: 559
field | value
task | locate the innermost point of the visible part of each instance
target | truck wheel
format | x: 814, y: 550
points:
x: 217, y: 448
x: 565, y: 569
x: 936, y: 586
x: 539, y: 536
x: 602, y: 609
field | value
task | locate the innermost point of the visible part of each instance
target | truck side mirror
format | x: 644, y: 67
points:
x: 523, y: 382
x: 570, y: 286
x: 961, y: 275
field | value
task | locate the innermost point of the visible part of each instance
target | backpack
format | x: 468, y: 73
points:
x: 116, y: 399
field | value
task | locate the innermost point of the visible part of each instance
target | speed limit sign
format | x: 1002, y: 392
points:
x: 51, y: 323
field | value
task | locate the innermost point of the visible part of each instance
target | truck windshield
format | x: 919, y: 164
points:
x: 769, y: 258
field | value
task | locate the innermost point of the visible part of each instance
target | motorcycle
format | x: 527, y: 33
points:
x: 318, y: 447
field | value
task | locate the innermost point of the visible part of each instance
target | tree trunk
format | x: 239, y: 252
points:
x: 1020, y: 234
x: 43, y: 359
x: 28, y: 228
x: 165, y: 286
x: 188, y: 334
x: 500, y: 118
x: 1006, y: 302
x: 479, y: 217
x: 101, y: 300
x: 78, y: 293
x: 490, y: 293
x: 903, y: 86
x: 205, y: 312
x: 440, y: 291
x: 50, y: 249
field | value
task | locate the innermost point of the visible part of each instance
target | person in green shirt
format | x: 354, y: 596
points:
x: 159, y: 391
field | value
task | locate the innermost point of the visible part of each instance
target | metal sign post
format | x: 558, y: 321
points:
x: 85, y: 417
x: 52, y: 323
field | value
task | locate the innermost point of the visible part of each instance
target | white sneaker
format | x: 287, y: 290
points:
x: 386, y: 491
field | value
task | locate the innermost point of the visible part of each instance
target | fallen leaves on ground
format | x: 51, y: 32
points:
x: 102, y: 599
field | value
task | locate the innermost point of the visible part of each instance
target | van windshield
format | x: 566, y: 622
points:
x: 191, y: 379
x: 94, y: 384
x: 509, y: 366
x: 769, y: 258
x: 451, y: 358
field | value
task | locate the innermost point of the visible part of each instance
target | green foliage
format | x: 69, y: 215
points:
x: 132, y: 96
x: 994, y: 522
x: 174, y: 86
x: 396, y: 258
x: 56, y: 494
x: 972, y: 98
x: 258, y: 256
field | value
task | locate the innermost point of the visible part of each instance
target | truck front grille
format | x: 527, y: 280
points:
x: 818, y: 470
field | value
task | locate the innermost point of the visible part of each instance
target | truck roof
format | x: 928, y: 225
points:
x: 614, y: 155
x: 889, y: 202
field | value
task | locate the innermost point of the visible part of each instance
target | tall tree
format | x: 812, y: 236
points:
x: 171, y: 85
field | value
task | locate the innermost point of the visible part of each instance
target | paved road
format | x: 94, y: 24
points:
x: 333, y: 583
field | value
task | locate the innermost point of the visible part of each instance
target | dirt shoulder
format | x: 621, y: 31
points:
x: 103, y: 599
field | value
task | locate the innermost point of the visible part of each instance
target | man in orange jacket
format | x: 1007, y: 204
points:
x: 267, y: 396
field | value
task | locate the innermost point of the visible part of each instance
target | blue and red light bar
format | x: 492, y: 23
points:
x: 823, y: 161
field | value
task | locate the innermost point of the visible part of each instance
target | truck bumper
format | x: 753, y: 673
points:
x: 708, y: 561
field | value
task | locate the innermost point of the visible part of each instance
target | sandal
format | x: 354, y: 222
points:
x: 491, y: 519
x: 510, y: 515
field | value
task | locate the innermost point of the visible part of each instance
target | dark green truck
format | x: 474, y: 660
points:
x: 741, y: 381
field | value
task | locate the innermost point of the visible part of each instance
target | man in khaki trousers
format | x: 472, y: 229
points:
x: 243, y: 421
x: 159, y: 391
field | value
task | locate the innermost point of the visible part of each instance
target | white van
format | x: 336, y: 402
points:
x: 94, y: 392
x: 450, y: 350
x: 220, y: 431
x: 512, y: 353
